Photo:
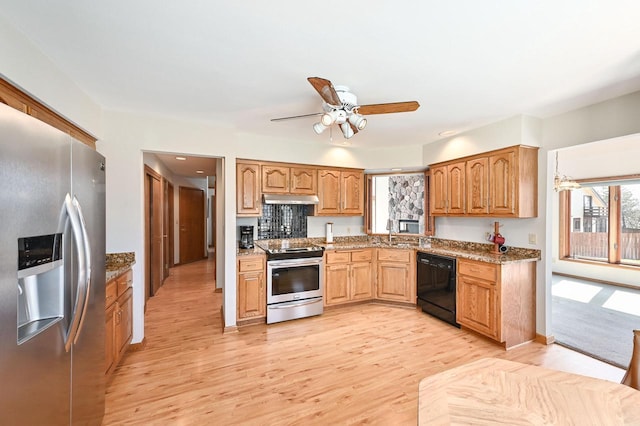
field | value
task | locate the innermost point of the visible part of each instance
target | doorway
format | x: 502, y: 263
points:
x: 192, y: 224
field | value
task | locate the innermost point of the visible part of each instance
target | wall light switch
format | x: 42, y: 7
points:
x: 532, y: 238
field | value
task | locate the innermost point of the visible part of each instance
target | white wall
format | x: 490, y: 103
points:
x: 24, y: 66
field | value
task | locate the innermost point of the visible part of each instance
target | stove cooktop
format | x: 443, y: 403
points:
x: 284, y: 251
x: 294, y: 249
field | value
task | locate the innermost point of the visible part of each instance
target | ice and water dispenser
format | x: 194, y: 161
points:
x: 40, y: 284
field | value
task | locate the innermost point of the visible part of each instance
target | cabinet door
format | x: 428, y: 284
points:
x: 328, y: 192
x: 304, y: 181
x: 361, y: 281
x: 248, y: 190
x: 336, y: 284
x: 110, y: 336
x: 476, y: 305
x: 352, y: 187
x: 456, y: 188
x: 477, y: 177
x: 275, y: 179
x: 125, y: 329
x: 502, y: 183
x: 438, y: 190
x: 252, y: 300
x: 393, y: 281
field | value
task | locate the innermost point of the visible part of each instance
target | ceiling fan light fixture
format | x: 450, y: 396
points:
x: 347, y: 131
x: 328, y: 118
x: 319, y: 128
x: 358, y: 120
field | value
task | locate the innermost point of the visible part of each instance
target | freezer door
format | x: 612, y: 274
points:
x: 35, y: 177
x: 88, y: 188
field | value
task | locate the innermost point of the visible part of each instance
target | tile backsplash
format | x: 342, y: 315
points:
x: 282, y: 221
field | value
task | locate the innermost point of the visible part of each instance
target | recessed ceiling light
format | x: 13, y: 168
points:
x: 447, y: 133
x: 181, y: 158
x: 199, y: 171
x: 396, y: 170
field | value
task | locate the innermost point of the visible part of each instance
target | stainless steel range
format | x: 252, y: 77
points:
x: 294, y: 281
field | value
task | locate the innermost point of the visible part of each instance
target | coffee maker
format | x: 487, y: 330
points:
x: 246, y: 237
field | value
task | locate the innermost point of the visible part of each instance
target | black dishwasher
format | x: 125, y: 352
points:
x: 436, y: 286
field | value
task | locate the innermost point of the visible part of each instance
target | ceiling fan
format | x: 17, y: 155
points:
x: 340, y: 107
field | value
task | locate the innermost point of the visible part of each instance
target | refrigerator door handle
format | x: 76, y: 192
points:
x: 87, y: 256
x: 70, y: 213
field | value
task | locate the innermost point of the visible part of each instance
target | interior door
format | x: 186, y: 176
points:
x: 192, y: 224
x: 154, y: 237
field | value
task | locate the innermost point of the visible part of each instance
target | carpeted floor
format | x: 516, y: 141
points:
x: 595, y: 318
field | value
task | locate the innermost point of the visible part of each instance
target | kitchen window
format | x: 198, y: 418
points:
x: 600, y: 221
x: 398, y: 201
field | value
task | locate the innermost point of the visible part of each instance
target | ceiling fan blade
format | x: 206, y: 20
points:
x: 388, y: 108
x: 297, y: 116
x: 325, y: 90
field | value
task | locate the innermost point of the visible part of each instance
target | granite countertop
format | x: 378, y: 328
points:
x: 118, y: 263
x: 462, y: 249
x: 249, y: 252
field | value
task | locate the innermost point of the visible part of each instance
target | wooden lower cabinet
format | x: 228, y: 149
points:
x: 497, y: 300
x: 396, y: 275
x: 118, y: 319
x: 252, y: 297
x: 348, y: 276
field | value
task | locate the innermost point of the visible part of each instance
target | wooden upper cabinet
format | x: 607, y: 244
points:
x: 328, y: 192
x: 477, y: 176
x: 352, y: 192
x: 248, y: 189
x: 447, y: 191
x: 275, y: 179
x: 456, y: 188
x: 438, y: 191
x: 304, y: 181
x: 501, y: 183
x: 341, y: 193
x: 16, y: 98
x: 513, y: 182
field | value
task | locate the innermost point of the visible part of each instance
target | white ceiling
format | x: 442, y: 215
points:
x: 190, y: 166
x: 467, y: 62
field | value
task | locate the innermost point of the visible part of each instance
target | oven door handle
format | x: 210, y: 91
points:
x: 294, y: 305
x: 284, y: 263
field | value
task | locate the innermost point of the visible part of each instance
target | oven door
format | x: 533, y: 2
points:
x: 294, y: 279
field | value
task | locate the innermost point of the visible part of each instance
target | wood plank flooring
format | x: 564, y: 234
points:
x: 354, y: 365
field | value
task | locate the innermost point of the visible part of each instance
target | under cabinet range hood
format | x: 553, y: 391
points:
x: 290, y: 199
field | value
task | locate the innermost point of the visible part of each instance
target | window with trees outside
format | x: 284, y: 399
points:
x: 600, y: 221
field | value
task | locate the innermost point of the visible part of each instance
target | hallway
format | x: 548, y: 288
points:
x: 356, y: 364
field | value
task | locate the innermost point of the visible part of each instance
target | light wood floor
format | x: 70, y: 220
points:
x: 353, y: 365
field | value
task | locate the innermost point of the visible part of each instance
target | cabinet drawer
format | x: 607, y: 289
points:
x: 338, y: 257
x: 485, y: 271
x: 361, y: 256
x: 125, y: 281
x: 251, y: 264
x: 111, y: 293
x: 395, y: 255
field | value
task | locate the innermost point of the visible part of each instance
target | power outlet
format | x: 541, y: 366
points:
x: 532, y: 238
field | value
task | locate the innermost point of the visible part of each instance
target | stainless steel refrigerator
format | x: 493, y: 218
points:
x: 52, y: 275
